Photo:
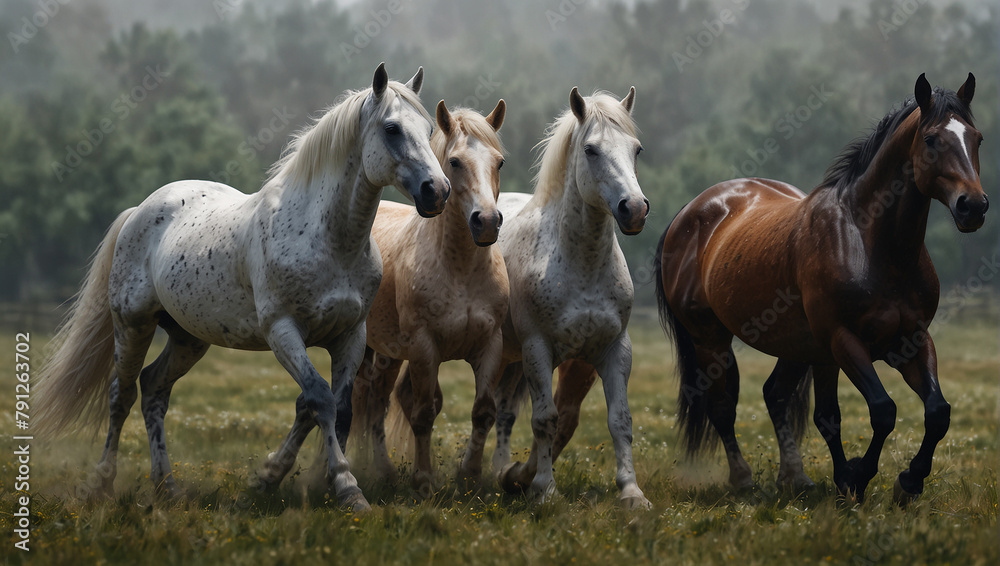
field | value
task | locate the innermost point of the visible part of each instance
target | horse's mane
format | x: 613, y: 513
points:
x: 327, y: 143
x: 603, y: 111
x: 473, y: 124
x: 858, y: 155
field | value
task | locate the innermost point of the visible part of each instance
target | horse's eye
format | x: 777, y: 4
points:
x: 638, y: 150
x: 501, y: 164
x: 393, y: 129
x: 930, y: 140
x: 590, y: 151
x: 455, y: 162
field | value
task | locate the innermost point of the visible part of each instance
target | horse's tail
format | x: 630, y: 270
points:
x: 399, y: 437
x: 73, y: 384
x: 798, y: 407
x: 692, y: 404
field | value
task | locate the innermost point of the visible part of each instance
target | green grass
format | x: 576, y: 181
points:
x: 235, y: 407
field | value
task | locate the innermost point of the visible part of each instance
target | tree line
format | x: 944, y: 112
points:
x: 95, y: 116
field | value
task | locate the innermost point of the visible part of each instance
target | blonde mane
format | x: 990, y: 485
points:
x: 603, y: 111
x: 472, y: 124
x: 327, y: 143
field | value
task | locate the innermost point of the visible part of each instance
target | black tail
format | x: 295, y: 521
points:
x: 798, y: 407
x: 692, y: 400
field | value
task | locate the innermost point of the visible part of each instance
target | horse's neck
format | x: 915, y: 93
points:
x: 891, y: 211
x: 585, y: 232
x: 337, y: 206
x: 452, y: 240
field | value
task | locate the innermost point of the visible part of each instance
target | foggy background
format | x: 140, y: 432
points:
x: 104, y: 101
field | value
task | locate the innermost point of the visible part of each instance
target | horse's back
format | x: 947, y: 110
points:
x: 726, y: 256
x: 183, y: 245
x: 512, y: 203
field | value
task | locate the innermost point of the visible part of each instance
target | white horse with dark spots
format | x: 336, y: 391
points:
x: 570, y: 288
x: 290, y: 267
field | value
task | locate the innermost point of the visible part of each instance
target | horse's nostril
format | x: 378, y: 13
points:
x: 476, y: 221
x: 623, y: 208
x: 427, y: 191
x: 646, y: 200
x: 499, y: 219
x: 986, y: 203
x: 962, y: 205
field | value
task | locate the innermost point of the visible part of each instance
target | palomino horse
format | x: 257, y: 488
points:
x: 571, y: 292
x: 832, y: 280
x: 443, y: 296
x: 289, y: 267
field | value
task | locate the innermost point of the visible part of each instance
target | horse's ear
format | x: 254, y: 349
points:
x: 444, y: 118
x: 577, y: 104
x: 495, y: 118
x: 381, y: 81
x: 416, y: 81
x: 629, y: 101
x: 967, y: 90
x: 922, y: 94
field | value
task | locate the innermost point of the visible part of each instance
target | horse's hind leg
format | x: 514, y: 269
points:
x: 575, y: 380
x: 826, y: 416
x: 181, y: 353
x: 509, y: 397
x: 783, y: 391
x: 132, y: 339
x: 722, y: 395
x: 372, y: 392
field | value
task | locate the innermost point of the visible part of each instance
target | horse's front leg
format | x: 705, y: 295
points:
x: 486, y: 364
x: 538, y: 365
x: 920, y: 373
x: 853, y: 357
x: 423, y: 373
x: 614, y: 370
x: 318, y: 403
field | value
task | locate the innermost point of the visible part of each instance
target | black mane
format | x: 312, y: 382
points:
x: 854, y: 160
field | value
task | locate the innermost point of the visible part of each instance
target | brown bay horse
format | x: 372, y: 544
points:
x: 830, y: 281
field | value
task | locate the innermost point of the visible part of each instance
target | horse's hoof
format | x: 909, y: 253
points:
x: 167, y: 491
x: 796, y: 482
x: 423, y: 485
x: 635, y: 503
x: 468, y: 479
x: 901, y: 496
x: 355, y: 502
x: 510, y: 479
x: 851, y: 488
x: 539, y: 494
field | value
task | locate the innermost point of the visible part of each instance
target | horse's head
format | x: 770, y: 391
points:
x: 470, y: 153
x: 604, y: 158
x: 396, y: 133
x: 945, y: 153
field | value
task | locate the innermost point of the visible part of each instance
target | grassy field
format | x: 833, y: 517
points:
x: 235, y: 407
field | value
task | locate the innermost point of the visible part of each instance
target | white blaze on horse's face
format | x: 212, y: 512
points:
x: 397, y: 146
x: 473, y: 167
x: 605, y: 165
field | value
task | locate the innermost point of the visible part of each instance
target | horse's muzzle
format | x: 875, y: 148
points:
x: 631, y: 215
x: 969, y: 212
x: 431, y: 197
